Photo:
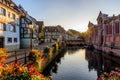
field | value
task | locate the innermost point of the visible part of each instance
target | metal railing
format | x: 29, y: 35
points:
x: 19, y: 55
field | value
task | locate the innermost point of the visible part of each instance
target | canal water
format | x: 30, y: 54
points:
x: 81, y: 64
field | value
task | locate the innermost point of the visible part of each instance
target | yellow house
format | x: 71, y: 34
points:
x: 9, y: 25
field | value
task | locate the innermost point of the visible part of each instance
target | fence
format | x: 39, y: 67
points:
x: 20, y: 55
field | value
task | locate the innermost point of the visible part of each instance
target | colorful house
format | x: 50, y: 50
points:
x: 9, y: 25
x: 28, y: 31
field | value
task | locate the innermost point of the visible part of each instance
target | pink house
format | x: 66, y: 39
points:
x: 105, y: 35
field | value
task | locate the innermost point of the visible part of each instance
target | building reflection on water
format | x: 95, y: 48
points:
x: 101, y: 62
x: 97, y: 61
x: 53, y: 67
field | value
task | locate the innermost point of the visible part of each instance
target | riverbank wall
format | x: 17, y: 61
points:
x: 109, y: 50
x: 45, y: 63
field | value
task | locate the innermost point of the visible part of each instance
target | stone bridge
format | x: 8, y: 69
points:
x: 78, y: 42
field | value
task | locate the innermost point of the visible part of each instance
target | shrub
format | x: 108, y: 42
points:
x: 35, y: 58
x: 3, y: 55
x: 35, y: 55
x: 18, y: 71
x: 55, y: 47
x: 47, y: 50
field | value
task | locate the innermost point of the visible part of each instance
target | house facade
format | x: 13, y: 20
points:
x: 106, y: 34
x: 54, y: 33
x: 9, y: 25
x: 28, y: 31
x: 40, y: 31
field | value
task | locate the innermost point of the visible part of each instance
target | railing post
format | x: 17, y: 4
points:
x: 15, y: 56
x: 25, y: 57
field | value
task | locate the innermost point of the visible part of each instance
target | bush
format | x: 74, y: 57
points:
x: 55, y: 47
x: 35, y: 55
x: 3, y: 55
x: 35, y: 58
x: 47, y: 50
x: 18, y: 76
x: 18, y: 71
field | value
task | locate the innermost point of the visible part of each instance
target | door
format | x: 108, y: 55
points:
x: 1, y: 42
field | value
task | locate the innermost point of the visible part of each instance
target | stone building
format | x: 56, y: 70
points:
x: 107, y: 32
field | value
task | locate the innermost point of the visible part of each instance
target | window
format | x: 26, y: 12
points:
x: 8, y: 14
x: 117, y: 27
x: 12, y: 28
x: 22, y: 20
x: 110, y: 28
x: 2, y: 11
x: 15, y: 40
x: 9, y: 40
x: 25, y: 31
x: 2, y: 26
x: 13, y: 16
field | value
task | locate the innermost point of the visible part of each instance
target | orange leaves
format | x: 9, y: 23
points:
x: 3, y: 55
x: 32, y: 70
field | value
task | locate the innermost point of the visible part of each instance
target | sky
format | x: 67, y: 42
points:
x: 70, y: 14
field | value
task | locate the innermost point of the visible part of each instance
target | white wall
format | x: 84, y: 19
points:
x: 13, y: 35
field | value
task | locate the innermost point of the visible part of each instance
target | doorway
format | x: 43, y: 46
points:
x: 1, y: 42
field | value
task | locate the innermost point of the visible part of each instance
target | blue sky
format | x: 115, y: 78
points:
x: 71, y: 14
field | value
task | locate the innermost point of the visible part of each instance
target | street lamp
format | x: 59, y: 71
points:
x: 31, y: 35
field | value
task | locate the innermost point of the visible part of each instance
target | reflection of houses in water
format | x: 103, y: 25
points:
x: 100, y: 62
x: 53, y: 66
x: 72, y: 50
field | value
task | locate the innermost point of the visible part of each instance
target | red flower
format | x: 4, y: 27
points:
x: 11, y: 64
x: 1, y: 64
x: 32, y: 70
x: 17, y: 62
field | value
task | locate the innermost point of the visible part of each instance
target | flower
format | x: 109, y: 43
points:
x: 3, y: 55
x: 32, y: 70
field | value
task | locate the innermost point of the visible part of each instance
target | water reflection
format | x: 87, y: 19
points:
x: 101, y: 62
x: 53, y: 67
x: 79, y: 68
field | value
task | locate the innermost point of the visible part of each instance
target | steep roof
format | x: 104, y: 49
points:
x: 55, y: 29
x: 102, y: 15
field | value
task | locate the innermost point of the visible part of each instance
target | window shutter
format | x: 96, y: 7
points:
x: 14, y: 28
x: 4, y: 27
